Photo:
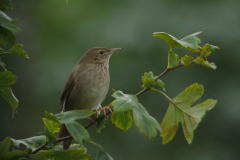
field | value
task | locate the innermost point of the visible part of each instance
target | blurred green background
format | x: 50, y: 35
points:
x: 56, y: 35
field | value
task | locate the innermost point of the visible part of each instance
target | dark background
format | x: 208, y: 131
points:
x: 56, y: 35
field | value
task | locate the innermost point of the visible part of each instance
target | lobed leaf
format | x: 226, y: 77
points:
x: 202, y: 62
x: 103, y: 155
x: 173, y: 60
x: 6, y: 79
x: 70, y: 116
x: 149, y: 81
x: 143, y: 121
x: 17, y: 49
x: 189, y: 42
x: 52, y: 117
x: 51, y: 126
x: 122, y: 120
x: 186, y: 60
x: 206, y: 50
x: 180, y: 110
x: 32, y: 142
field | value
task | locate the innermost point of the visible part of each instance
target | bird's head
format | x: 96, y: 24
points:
x: 98, y: 55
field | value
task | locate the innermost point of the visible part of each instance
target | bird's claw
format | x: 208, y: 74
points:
x: 104, y: 110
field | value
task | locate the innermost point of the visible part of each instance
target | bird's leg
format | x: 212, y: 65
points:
x: 104, y: 109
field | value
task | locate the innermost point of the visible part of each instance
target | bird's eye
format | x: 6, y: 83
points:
x: 101, y: 52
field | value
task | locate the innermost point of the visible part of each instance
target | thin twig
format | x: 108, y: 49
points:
x: 103, y: 116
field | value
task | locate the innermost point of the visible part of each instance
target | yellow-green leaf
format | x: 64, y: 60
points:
x: 204, y: 63
x: 122, y: 120
x: 180, y: 110
x: 17, y: 49
x: 149, y: 81
x: 186, y: 60
x: 173, y: 60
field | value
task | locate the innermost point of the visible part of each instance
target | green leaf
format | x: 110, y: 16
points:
x: 78, y: 132
x: 101, y: 124
x: 180, y: 110
x: 4, y: 146
x: 6, y: 79
x: 173, y: 60
x: 190, y: 42
x: 122, y: 120
x: 72, y: 147
x: 149, y: 81
x: 51, y: 139
x: 14, y: 155
x: 17, y: 49
x: 3, y: 15
x: 10, y: 27
x: 65, y: 154
x: 103, y: 155
x: 7, y: 38
x: 32, y: 142
x: 14, y: 21
x: 143, y: 121
x: 206, y: 50
x: 73, y: 115
x: 6, y: 5
x: 204, y: 63
x: 186, y: 60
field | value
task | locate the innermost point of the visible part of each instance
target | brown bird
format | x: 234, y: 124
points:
x: 87, y: 85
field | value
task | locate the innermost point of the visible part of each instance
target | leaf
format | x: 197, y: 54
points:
x: 173, y: 60
x: 189, y: 42
x: 101, y: 124
x: 103, y: 155
x: 3, y: 15
x: 7, y: 38
x: 202, y: 62
x: 206, y: 50
x: 6, y: 79
x: 10, y: 27
x: 4, y: 146
x: 143, y: 121
x: 17, y: 49
x: 51, y: 139
x: 52, y: 126
x: 69, y: 118
x: 180, y: 110
x: 73, y: 115
x: 14, y: 155
x: 52, y: 117
x: 72, y: 147
x: 122, y: 120
x: 14, y: 21
x: 65, y: 154
x: 149, y: 81
x: 32, y: 142
x: 78, y: 132
x: 186, y: 60
x: 6, y: 5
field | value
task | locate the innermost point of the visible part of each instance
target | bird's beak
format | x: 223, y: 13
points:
x: 115, y: 49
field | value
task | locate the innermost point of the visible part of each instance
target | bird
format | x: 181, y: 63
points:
x: 87, y: 85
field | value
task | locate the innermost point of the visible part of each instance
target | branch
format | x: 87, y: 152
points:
x: 103, y: 116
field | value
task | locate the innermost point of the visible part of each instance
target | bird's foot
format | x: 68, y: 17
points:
x: 104, y: 109
x: 92, y: 120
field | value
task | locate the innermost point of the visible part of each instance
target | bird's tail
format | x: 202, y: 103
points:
x: 63, y: 133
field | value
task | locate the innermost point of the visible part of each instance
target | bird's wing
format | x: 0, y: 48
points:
x: 66, y: 92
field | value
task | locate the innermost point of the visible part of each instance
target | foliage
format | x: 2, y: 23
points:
x: 7, y: 38
x: 126, y: 107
